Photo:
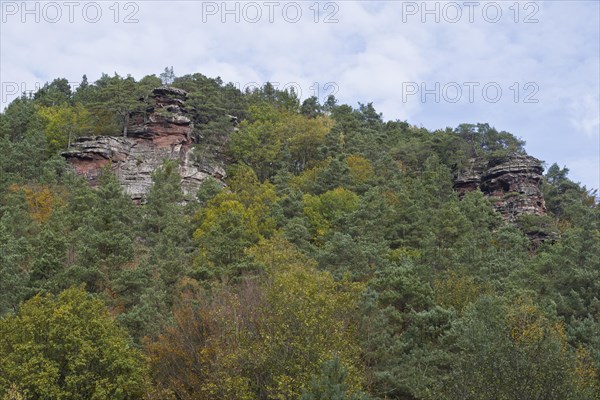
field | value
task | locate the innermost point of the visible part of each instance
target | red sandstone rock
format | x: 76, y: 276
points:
x: 163, y: 132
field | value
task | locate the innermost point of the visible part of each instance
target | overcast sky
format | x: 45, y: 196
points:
x: 531, y: 67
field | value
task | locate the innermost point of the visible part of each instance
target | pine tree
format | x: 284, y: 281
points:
x: 331, y: 384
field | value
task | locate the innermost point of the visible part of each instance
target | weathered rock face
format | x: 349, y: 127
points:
x: 512, y: 183
x: 162, y: 132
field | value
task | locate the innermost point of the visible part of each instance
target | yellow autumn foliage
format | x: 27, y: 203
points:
x: 361, y: 169
x: 41, y: 200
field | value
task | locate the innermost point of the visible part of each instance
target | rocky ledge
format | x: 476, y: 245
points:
x: 512, y: 183
x: 162, y: 132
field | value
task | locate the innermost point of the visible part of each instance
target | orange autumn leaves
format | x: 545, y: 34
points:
x: 41, y: 200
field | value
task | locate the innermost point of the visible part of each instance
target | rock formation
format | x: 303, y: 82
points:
x: 512, y: 184
x: 162, y: 132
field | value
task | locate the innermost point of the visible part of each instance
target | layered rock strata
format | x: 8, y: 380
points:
x: 163, y: 131
x: 512, y: 183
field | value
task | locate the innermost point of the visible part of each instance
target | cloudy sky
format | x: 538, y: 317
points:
x: 530, y: 67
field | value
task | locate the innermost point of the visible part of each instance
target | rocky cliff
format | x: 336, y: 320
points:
x: 512, y: 184
x: 163, y: 131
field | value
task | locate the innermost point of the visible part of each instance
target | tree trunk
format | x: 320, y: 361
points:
x: 126, y: 124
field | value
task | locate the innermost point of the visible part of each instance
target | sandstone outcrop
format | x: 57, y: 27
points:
x: 162, y: 132
x: 512, y: 184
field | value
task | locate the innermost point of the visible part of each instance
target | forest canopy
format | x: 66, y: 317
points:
x: 335, y: 262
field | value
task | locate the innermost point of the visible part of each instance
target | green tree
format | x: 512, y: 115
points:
x: 68, y: 347
x: 485, y: 140
x: 17, y: 231
x: 233, y: 220
x: 117, y: 95
x: 104, y: 224
x: 14, y: 271
x: 323, y: 211
x: 330, y: 385
x: 145, y: 293
x: 309, y: 318
x: 311, y: 107
x: 19, y: 119
x: 509, y: 352
x: 209, y: 189
x: 64, y: 124
x: 56, y: 93
x: 565, y: 199
x: 259, y: 143
x: 84, y: 93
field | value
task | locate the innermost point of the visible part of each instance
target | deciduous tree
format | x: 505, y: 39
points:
x: 68, y: 347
